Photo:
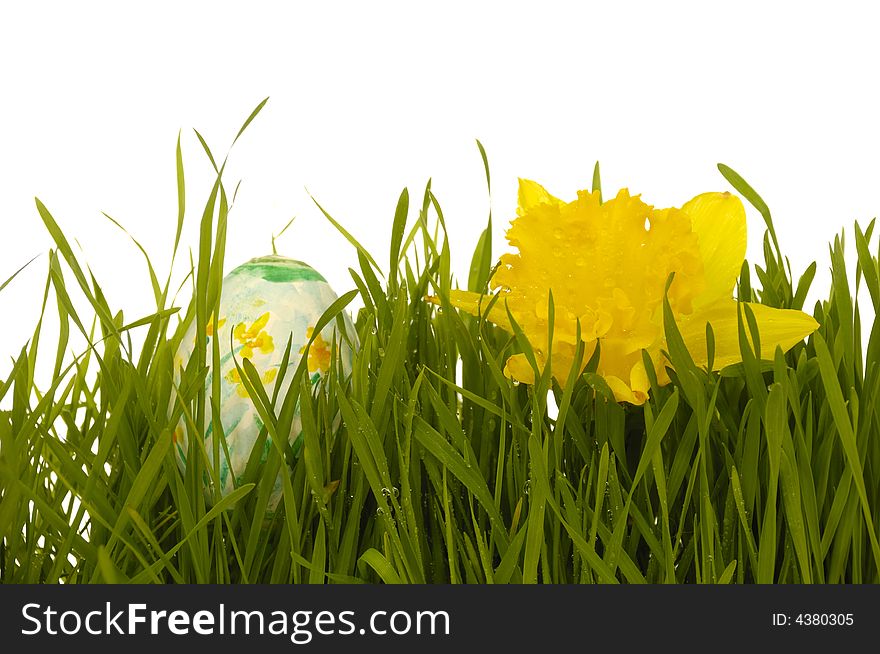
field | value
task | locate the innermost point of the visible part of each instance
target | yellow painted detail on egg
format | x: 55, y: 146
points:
x: 319, y: 353
x: 254, y: 337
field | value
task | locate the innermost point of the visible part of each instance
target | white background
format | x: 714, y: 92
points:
x: 367, y: 98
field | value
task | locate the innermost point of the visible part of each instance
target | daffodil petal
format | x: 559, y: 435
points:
x: 531, y: 194
x: 519, y: 369
x: 475, y: 304
x: 719, y: 220
x: 636, y: 392
x: 622, y: 392
x: 776, y: 327
x: 639, y: 382
x: 563, y: 358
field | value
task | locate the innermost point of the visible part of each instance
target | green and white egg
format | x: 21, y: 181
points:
x: 263, y: 304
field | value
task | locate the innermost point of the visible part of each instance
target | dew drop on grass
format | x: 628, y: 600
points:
x: 389, y: 492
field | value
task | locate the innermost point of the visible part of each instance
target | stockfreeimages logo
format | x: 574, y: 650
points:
x: 301, y: 627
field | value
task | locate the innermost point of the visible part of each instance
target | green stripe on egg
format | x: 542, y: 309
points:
x: 278, y: 270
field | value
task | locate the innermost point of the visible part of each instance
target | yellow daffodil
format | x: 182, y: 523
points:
x: 253, y: 337
x: 319, y: 353
x: 607, y: 265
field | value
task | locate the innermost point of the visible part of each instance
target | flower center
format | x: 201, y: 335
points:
x: 607, y: 266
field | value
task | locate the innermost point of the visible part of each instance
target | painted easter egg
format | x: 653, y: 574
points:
x: 263, y: 304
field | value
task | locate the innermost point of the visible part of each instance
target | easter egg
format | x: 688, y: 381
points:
x: 263, y: 304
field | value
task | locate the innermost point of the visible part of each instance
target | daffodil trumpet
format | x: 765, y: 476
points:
x: 608, y: 266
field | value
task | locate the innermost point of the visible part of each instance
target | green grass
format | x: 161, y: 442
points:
x: 766, y: 472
